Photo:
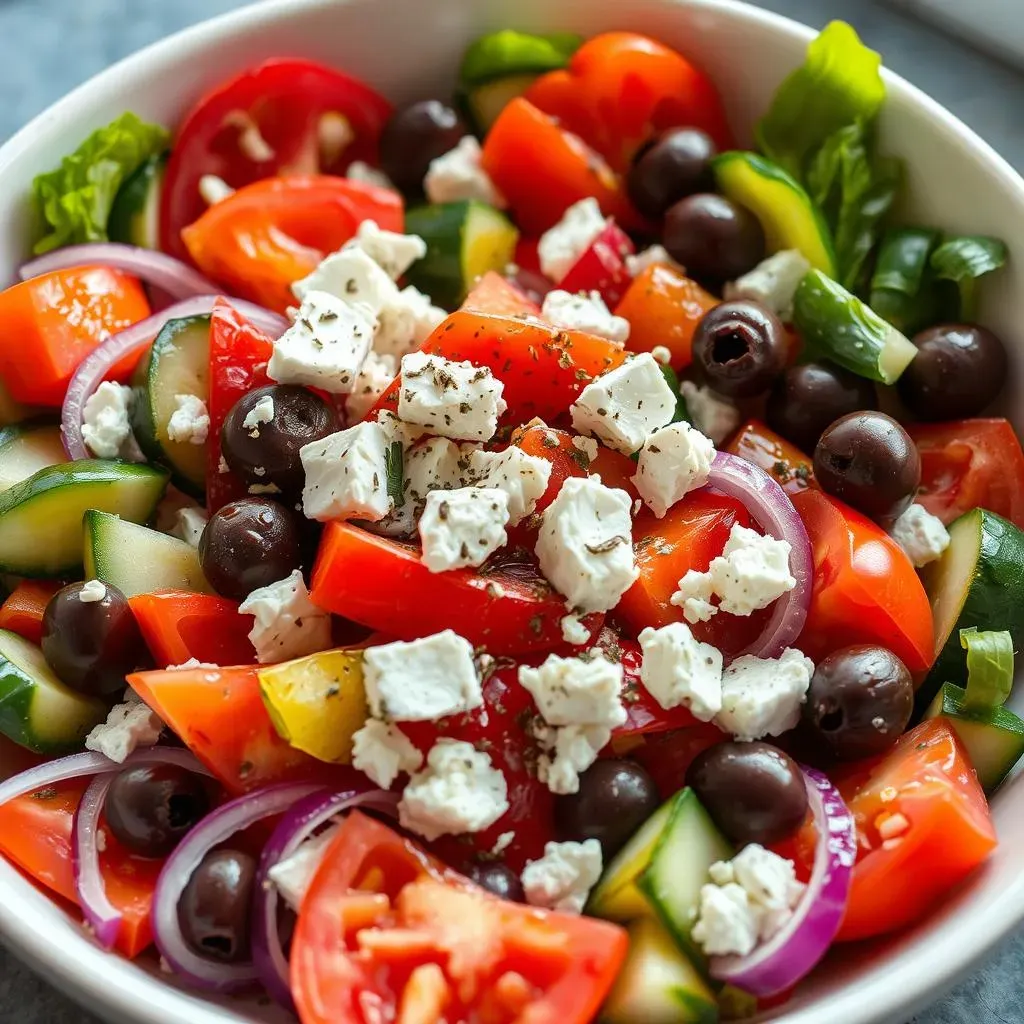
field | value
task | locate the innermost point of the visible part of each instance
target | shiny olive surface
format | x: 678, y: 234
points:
x: 413, y: 137
x: 958, y: 370
x: 214, y: 909
x: 91, y: 645
x: 250, y: 544
x: 869, y: 461
x: 673, y: 166
x: 808, y: 398
x: 754, y: 792
x: 268, y: 452
x: 739, y: 348
x: 149, y: 809
x: 859, y: 701
x: 499, y: 879
x: 615, y: 798
x: 716, y: 239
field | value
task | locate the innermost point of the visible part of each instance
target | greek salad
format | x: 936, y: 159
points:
x: 458, y: 568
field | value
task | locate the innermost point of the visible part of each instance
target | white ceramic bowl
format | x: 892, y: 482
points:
x: 410, y: 49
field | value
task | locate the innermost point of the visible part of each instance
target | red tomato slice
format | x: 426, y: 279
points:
x: 498, y: 296
x: 602, y: 267
x: 386, y: 927
x: 22, y: 612
x: 970, y: 464
x: 294, y: 106
x: 756, y: 443
x: 668, y: 755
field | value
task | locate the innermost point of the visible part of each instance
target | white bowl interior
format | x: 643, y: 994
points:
x: 410, y: 49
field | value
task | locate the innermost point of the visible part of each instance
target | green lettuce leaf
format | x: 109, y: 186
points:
x: 509, y: 52
x: 74, y: 200
x: 963, y: 260
x: 989, y: 667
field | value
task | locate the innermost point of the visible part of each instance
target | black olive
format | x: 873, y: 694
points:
x: 739, y: 348
x: 671, y: 167
x: 415, y: 136
x: 214, y: 909
x: 714, y: 238
x: 498, y: 878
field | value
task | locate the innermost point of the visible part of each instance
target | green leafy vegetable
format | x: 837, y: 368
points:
x: 394, y: 467
x: 509, y: 52
x: 74, y: 201
x: 904, y: 289
x: 963, y: 260
x: 672, y: 380
x: 989, y: 667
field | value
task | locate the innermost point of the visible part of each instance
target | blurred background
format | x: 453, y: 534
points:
x: 975, y: 67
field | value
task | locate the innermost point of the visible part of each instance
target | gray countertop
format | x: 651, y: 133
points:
x: 49, y: 46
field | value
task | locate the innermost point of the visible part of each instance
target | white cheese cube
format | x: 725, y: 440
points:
x: 585, y: 312
x: 372, y: 380
x: 189, y: 525
x: 190, y: 421
x: 678, y: 669
x: 637, y: 263
x: 561, y: 246
x: 762, y: 696
x: 106, y: 427
x: 350, y: 276
x: 563, y: 877
x: 772, y: 283
x: 569, y: 750
x: 293, y: 876
x: 394, y: 253
x: 711, y: 414
x: 523, y: 477
x: 576, y: 691
x: 459, y: 174
x: 288, y: 625
x: 361, y: 171
x: 406, y: 321
x: 346, y: 475
x: 728, y: 923
x: 921, y: 535
x: 128, y: 726
x: 696, y: 589
x: 462, y: 527
x: 673, y: 461
x: 382, y: 752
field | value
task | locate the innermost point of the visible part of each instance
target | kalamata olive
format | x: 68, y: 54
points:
x: 673, y: 166
x: 92, y: 644
x: 859, y: 701
x: 214, y: 909
x: 958, y: 370
x: 869, y: 461
x: 499, y: 879
x: 413, y: 137
x: 265, y: 429
x: 149, y: 809
x: 739, y: 348
x: 808, y: 398
x: 615, y: 798
x: 249, y: 544
x: 754, y: 792
x: 714, y: 238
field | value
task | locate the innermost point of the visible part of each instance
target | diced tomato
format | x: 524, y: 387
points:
x: 386, y: 926
x: 602, y: 267
x: 866, y: 590
x: 497, y: 295
x: 302, y: 111
x: 50, y: 323
x: 270, y: 234
x: 784, y: 462
x: 970, y: 464
x: 557, y: 448
x: 527, y: 255
x: 22, y: 612
x: 668, y: 755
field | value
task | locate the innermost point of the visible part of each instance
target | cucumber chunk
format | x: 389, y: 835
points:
x: 41, y: 517
x: 135, y: 215
x: 177, y: 364
x: 26, y: 448
x: 36, y: 709
x: 484, y: 103
x: 138, y: 560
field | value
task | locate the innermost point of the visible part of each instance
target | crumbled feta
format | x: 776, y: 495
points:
x: 662, y: 355
x: 462, y: 527
x: 394, y: 253
x: 523, y: 477
x: 189, y: 525
x: 374, y: 378
x: 727, y: 924
x: 587, y: 446
x: 382, y: 752
x: 678, y: 669
x: 638, y: 263
x: 585, y: 544
x: 584, y: 312
x: 346, y: 475
x: 561, y: 246
x: 459, y: 174
x: 288, y: 625
x: 261, y: 412
x: 624, y: 406
x: 190, y: 421
x: 421, y: 680
x: 762, y: 696
x: 921, y: 535
x: 327, y: 344
x: 772, y: 283
x: 673, y: 461
x: 92, y: 592
x: 106, y: 427
x: 568, y: 751
x: 361, y: 171
x: 293, y: 875
x: 711, y: 414
x: 406, y: 434
x: 563, y: 877
x: 576, y: 691
x: 214, y: 189
x: 573, y: 630
x: 351, y: 276
x: 190, y: 664
x: 502, y: 843
x: 457, y: 400
x: 128, y: 726
x: 694, y: 596
x: 459, y: 791
x: 406, y: 322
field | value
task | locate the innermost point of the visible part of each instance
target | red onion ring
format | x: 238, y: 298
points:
x: 769, y: 506
x: 102, y: 916
x: 292, y: 831
x: 799, y: 945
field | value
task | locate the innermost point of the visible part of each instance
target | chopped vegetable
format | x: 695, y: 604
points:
x: 963, y: 260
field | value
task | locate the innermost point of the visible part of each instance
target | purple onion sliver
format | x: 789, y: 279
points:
x: 101, y: 915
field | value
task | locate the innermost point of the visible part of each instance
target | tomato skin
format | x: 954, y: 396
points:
x: 970, y: 464
x: 23, y: 611
x: 497, y: 295
x: 602, y: 268
x: 784, y: 462
x: 668, y: 755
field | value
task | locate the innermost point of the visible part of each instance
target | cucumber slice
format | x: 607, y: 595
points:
x: 787, y: 213
x: 135, y: 215
x: 177, y: 364
x: 509, y: 52
x: 41, y: 518
x: 36, y: 709
x: 26, y: 448
x: 484, y: 103
x: 657, y: 984
x: 464, y: 241
x: 138, y: 560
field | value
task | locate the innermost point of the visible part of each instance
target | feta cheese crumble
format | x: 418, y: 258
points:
x: 678, y: 669
x: 106, y: 427
x: 346, y: 475
x: 772, y: 283
x: 673, y: 461
x: 394, y: 253
x: 351, y: 276
x: 463, y: 527
x: 585, y: 312
x: 567, y: 751
x: 523, y: 477
x: 563, y: 877
x: 382, y: 752
x: 921, y: 535
x: 451, y: 399
x: 624, y: 406
x: 190, y: 421
x: 293, y: 875
x: 372, y: 380
x: 189, y: 524
x: 711, y: 414
x: 573, y: 630
x: 561, y: 246
x: 288, y: 625
x: 459, y: 174
x: 406, y: 322
x: 762, y: 696
x: 637, y: 263
x: 92, y: 592
x: 128, y: 726
x: 262, y: 412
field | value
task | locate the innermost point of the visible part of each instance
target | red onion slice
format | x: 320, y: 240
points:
x: 103, y: 917
x: 769, y: 506
x: 292, y: 831
x: 799, y: 945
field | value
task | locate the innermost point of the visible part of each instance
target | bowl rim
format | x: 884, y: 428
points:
x: 109, y: 985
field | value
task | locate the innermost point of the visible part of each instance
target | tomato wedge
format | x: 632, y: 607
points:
x: 758, y: 444
x: 498, y: 296
x: 22, y: 612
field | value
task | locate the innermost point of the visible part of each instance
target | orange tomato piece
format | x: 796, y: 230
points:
x: 22, y: 612
x: 785, y: 463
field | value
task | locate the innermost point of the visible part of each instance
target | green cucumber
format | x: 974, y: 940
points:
x: 836, y: 324
x: 484, y: 103
x: 788, y: 215
x: 177, y: 364
x: 138, y: 560
x: 135, y: 215
x: 36, y: 709
x: 464, y: 241
x: 657, y: 983
x: 26, y: 448
x: 41, y: 517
